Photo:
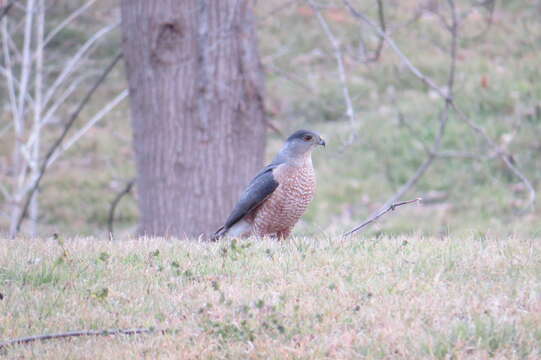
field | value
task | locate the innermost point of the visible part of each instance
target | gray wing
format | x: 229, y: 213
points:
x: 255, y: 193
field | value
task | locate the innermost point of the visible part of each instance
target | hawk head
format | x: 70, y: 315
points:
x: 299, y: 144
x: 304, y: 140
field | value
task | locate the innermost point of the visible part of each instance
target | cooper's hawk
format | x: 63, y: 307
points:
x: 279, y: 194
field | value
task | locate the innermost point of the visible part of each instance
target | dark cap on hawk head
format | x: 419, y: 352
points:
x: 306, y: 136
x: 279, y: 194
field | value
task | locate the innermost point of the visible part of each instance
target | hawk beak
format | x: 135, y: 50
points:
x: 321, y: 142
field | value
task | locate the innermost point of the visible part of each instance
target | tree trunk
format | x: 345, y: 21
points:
x: 196, y: 89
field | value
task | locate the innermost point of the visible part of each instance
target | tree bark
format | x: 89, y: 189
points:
x: 196, y: 92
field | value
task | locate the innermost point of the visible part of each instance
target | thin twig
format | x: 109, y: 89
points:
x: 447, y: 95
x: 375, y: 217
x: 405, y: 60
x: 444, y: 118
x: 274, y: 128
x: 67, y: 21
x: 350, y: 111
x: 71, y: 65
x: 5, y: 193
x: 11, y: 81
x: 381, y: 41
x: 6, y: 8
x: 61, y: 99
x: 106, y: 109
x: 463, y: 155
x: 295, y: 79
x: 60, y: 139
x: 9, y: 77
x: 19, y: 115
x: 490, y: 6
x: 26, y: 62
x: 127, y: 189
x: 81, y: 333
x: 35, y: 146
x: 502, y: 154
x: 444, y: 115
x: 278, y: 9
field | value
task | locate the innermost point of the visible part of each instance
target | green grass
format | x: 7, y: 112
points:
x: 409, y: 297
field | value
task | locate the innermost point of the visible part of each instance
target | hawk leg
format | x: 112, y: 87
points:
x: 284, y: 234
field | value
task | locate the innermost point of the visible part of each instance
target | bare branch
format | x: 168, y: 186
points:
x: 58, y: 142
x: 90, y: 123
x: 9, y: 73
x: 14, y: 29
x: 462, y: 155
x: 405, y: 60
x: 75, y: 60
x: 70, y: 334
x: 447, y: 95
x: 443, y: 118
x: 350, y: 112
x: 18, y: 102
x: 278, y: 9
x: 11, y: 81
x: 62, y: 98
x: 5, y: 193
x: 74, y: 15
x: 111, y: 219
x: 274, y: 128
x: 291, y: 77
x: 26, y: 66
x: 421, y: 170
x: 35, y: 146
x: 490, y: 6
x: 454, y: 44
x: 6, y: 8
x: 502, y: 154
x: 381, y: 42
x: 375, y: 217
x: 45, y: 118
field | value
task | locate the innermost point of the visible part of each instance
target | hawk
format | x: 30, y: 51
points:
x: 279, y: 194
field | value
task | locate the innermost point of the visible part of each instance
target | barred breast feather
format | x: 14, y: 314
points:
x: 285, y: 206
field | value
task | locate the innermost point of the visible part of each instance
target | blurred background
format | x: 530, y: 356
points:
x: 325, y: 70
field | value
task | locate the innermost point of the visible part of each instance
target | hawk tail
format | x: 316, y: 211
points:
x: 218, y: 234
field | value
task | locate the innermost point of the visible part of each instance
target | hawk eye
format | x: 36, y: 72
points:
x: 307, y: 137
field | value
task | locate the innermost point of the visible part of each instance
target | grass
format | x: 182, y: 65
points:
x: 453, y: 290
x: 408, y: 297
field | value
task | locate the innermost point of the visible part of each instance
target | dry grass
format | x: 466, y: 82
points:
x: 406, y: 297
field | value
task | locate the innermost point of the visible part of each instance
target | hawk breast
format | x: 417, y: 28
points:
x: 288, y: 202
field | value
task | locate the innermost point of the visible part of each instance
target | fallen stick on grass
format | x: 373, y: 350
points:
x: 137, y: 331
x: 380, y: 214
x: 80, y: 333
